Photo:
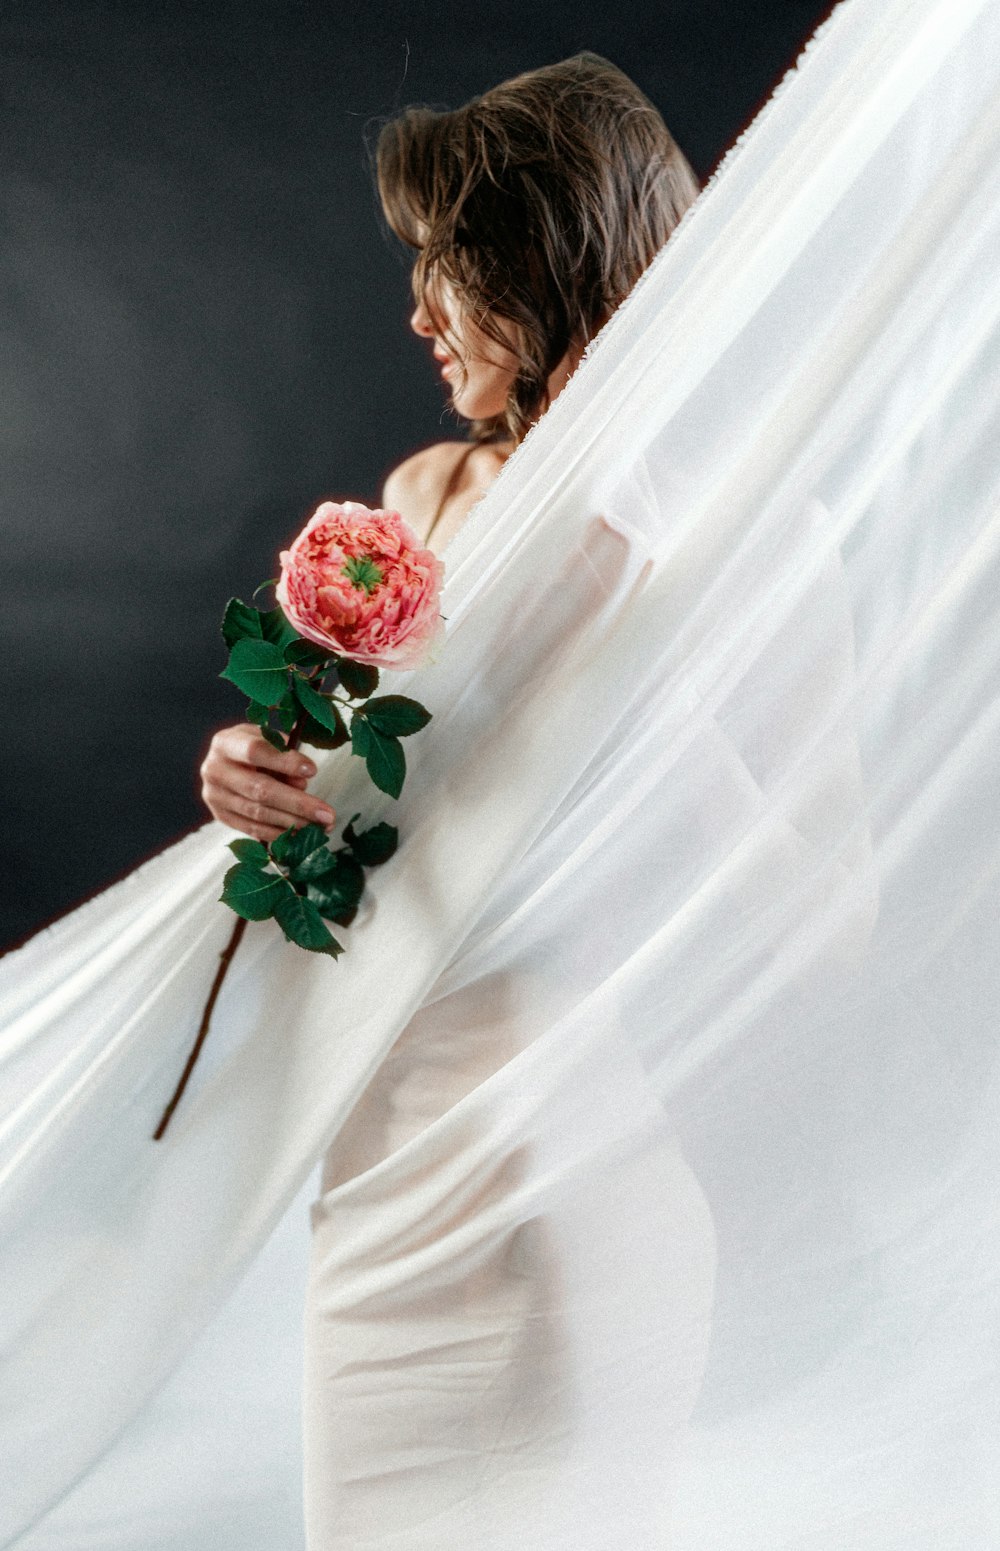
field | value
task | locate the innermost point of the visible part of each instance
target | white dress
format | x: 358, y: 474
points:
x: 449, y: 1357
x: 444, y: 1359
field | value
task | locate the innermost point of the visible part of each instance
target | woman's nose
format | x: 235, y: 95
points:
x: 420, y: 320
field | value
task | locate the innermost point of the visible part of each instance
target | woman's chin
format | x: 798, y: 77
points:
x: 478, y: 401
x: 476, y: 407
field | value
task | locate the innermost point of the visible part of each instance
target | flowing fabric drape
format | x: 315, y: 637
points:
x: 658, y: 1088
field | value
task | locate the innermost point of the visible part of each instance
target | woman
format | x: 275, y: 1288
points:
x: 533, y: 210
x: 703, y: 856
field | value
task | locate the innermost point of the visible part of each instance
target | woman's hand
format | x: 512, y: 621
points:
x: 250, y: 786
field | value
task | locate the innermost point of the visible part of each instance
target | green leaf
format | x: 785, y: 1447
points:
x: 372, y: 846
x: 240, y: 621
x: 313, y: 866
x: 306, y: 654
x: 258, y: 713
x: 313, y: 733
x: 250, y: 851
x: 272, y: 581
x: 360, y: 679
x: 251, y: 893
x: 302, y: 923
x: 275, y: 628
x: 339, y: 890
x: 386, y: 762
x: 258, y: 668
x: 361, y: 737
x: 397, y: 715
x: 293, y: 845
x: 319, y: 707
x: 274, y: 739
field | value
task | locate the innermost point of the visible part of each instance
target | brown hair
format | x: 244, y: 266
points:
x: 541, y: 202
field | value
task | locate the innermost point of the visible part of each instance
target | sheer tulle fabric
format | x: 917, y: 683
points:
x: 656, y: 1097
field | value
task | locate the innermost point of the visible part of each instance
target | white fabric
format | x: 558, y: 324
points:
x: 658, y: 1088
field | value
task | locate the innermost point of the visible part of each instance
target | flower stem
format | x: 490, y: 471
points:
x: 225, y: 959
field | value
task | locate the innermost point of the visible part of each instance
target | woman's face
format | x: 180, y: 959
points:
x: 478, y: 370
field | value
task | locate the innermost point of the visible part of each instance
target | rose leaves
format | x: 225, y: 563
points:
x: 300, y: 692
x: 376, y: 729
x: 294, y: 684
x: 300, y: 881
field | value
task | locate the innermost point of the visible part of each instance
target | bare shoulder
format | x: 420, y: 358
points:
x: 415, y: 486
x: 423, y: 474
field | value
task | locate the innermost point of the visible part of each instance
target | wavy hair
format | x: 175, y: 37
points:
x: 541, y: 202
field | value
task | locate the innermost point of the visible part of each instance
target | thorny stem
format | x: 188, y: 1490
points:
x: 225, y: 959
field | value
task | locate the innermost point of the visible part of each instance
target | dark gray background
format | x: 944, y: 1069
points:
x: 203, y: 332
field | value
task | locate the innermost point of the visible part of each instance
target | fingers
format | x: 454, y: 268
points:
x: 252, y: 818
x: 244, y: 745
x: 260, y: 798
x: 259, y: 790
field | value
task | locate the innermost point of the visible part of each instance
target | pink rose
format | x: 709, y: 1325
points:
x: 358, y: 582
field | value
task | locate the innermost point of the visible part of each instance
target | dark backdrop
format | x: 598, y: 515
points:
x: 204, y: 332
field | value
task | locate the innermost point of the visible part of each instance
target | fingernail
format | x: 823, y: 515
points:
x: 306, y: 768
x: 325, y: 816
